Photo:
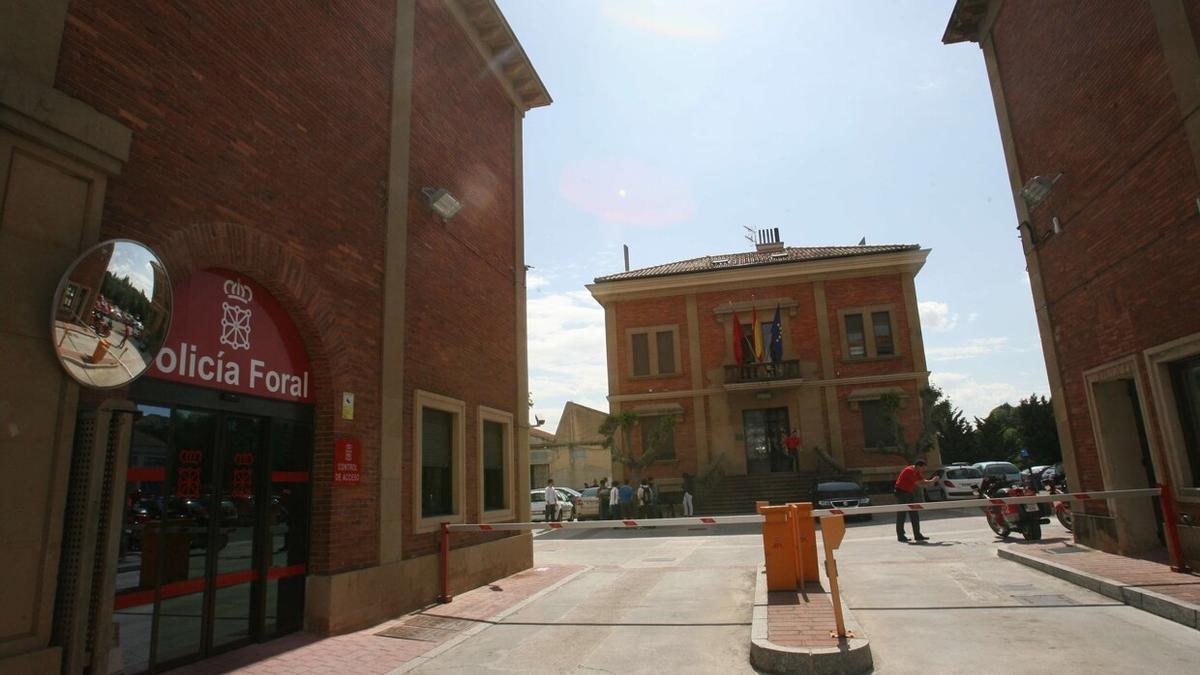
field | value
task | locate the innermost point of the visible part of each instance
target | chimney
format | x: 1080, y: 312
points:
x: 626, y: 246
x: 768, y: 240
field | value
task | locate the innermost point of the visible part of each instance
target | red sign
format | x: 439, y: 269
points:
x: 347, y: 461
x: 229, y: 333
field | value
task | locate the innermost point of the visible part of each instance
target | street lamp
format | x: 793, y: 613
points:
x: 442, y: 202
x: 1038, y: 188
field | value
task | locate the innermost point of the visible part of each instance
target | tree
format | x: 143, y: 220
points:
x: 998, y: 433
x: 956, y: 436
x: 1034, y: 417
x: 926, y: 437
x: 617, y: 431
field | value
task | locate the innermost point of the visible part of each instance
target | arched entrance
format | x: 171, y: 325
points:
x: 215, y: 543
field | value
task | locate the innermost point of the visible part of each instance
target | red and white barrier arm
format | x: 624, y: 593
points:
x: 988, y: 501
x: 691, y: 521
x: 695, y: 521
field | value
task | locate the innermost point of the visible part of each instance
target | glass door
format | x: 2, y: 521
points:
x: 764, y: 431
x: 214, y: 549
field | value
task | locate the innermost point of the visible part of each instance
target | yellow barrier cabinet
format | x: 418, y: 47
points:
x: 779, y: 548
x: 806, y: 540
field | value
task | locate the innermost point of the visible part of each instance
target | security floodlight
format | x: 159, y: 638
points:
x: 1038, y: 188
x: 442, y: 202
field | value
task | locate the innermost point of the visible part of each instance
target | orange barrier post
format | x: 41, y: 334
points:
x: 444, y: 564
x: 833, y: 528
x: 779, y: 548
x: 1171, y: 528
x: 759, y: 505
x: 805, y: 527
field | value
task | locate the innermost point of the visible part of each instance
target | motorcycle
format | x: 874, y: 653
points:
x: 1004, y: 519
x: 1062, y: 509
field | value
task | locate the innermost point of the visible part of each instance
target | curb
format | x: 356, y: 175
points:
x: 1162, y: 605
x: 852, y: 658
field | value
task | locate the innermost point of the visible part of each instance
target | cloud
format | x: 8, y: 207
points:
x: 972, y: 348
x: 627, y: 192
x: 535, y: 281
x: 936, y: 316
x: 972, y: 316
x: 567, y: 357
x: 669, y: 19
x: 973, y: 397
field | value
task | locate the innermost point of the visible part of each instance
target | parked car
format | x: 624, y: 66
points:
x: 589, y: 504
x: 841, y: 494
x: 1003, y: 470
x: 537, y: 505
x: 957, y: 481
x: 573, y: 495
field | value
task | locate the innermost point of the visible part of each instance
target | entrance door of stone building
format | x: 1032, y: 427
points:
x: 214, y: 549
x: 1125, y: 453
x: 764, y: 430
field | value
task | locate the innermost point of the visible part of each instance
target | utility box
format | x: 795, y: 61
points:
x: 779, y: 547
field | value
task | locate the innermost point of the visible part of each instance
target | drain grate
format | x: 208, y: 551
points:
x: 426, y: 628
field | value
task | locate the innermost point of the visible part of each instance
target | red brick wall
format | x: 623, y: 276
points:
x: 647, y: 312
x: 869, y: 292
x: 800, y: 330
x: 1089, y: 94
x: 260, y: 144
x: 461, y: 305
x: 804, y: 344
x: 853, y: 441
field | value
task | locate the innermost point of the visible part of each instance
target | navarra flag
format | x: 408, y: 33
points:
x: 756, y: 332
x: 776, y: 337
x: 739, y: 337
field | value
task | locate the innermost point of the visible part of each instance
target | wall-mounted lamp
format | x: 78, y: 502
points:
x: 1038, y: 188
x: 1057, y: 226
x: 442, y: 202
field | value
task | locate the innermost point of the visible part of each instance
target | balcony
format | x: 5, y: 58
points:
x: 755, y: 373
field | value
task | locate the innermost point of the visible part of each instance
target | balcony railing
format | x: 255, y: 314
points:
x: 763, y: 372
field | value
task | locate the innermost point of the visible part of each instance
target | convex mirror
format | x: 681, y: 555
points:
x: 111, y: 313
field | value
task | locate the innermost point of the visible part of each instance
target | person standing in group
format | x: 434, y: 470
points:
x: 689, y: 489
x: 602, y: 494
x: 654, y: 512
x: 627, y: 505
x: 614, y: 501
x: 551, y: 501
x: 643, y: 499
x: 910, y: 478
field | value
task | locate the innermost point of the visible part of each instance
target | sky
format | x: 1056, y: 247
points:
x: 676, y: 123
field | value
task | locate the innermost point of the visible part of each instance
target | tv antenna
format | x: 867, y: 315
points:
x: 750, y: 234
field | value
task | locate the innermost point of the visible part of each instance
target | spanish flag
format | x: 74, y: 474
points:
x: 756, y: 331
x: 739, y: 339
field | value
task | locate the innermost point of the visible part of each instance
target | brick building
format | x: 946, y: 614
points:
x: 284, y: 156
x: 850, y: 335
x: 1098, y: 105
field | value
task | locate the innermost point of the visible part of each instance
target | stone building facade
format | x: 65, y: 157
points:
x: 1100, y: 103
x: 289, y: 149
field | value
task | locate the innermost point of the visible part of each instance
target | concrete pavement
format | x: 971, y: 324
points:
x: 953, y: 605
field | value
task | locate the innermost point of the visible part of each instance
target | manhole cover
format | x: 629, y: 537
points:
x: 430, y: 621
x: 1045, y: 600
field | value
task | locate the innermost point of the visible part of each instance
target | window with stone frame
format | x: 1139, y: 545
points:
x: 654, y: 351
x: 649, y: 426
x: 437, y: 457
x: 878, y: 432
x: 868, y: 333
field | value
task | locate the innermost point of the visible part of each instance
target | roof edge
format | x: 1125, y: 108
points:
x: 914, y: 258
x: 495, y: 40
x: 966, y: 20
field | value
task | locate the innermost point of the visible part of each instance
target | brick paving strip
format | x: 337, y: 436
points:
x: 397, y: 645
x: 791, y: 632
x: 1145, y: 582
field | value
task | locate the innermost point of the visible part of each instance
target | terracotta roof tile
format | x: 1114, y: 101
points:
x: 789, y: 254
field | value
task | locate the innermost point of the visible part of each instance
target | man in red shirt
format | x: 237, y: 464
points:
x: 906, y: 493
x: 792, y: 443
